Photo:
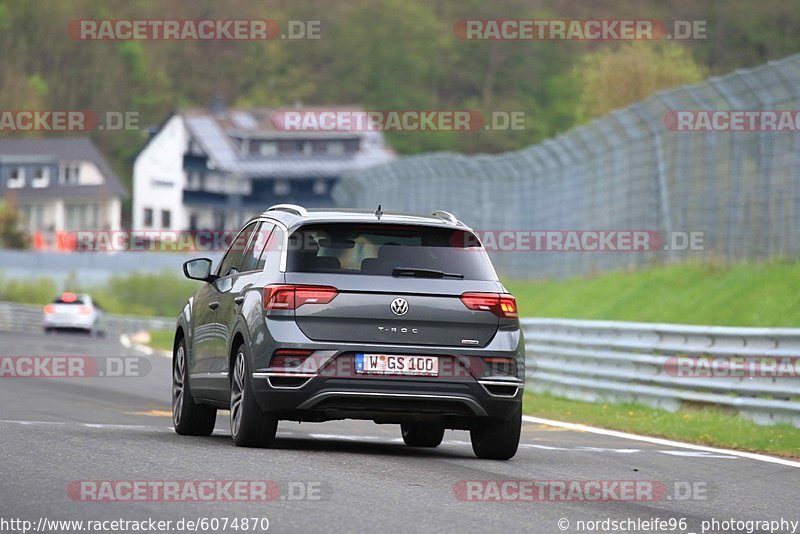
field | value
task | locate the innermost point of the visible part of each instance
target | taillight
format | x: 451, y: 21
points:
x: 84, y: 310
x: 289, y: 358
x: 50, y: 309
x: 502, y: 305
x: 291, y: 297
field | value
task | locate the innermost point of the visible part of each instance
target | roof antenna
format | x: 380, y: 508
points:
x: 378, y: 212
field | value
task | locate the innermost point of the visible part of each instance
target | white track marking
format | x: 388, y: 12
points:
x: 660, y: 441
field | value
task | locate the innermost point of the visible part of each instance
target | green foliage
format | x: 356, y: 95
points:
x: 162, y: 294
x: 31, y: 291
x: 11, y: 233
x: 380, y: 54
x: 612, y: 78
x: 692, y: 293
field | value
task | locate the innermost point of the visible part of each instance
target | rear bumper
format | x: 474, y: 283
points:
x: 86, y: 323
x: 457, y: 402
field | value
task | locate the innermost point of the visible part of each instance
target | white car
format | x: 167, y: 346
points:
x: 74, y: 311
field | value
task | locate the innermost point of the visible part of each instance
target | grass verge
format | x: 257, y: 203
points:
x: 705, y: 426
x: 746, y: 294
x: 162, y: 339
x: 147, y: 294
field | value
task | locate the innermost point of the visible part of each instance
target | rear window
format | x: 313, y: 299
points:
x: 387, y: 250
x: 68, y: 298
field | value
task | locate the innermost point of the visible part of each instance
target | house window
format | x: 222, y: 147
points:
x: 335, y: 148
x: 194, y: 181
x: 320, y: 186
x: 41, y: 177
x: 166, y: 218
x: 308, y: 148
x: 16, y: 178
x: 281, y: 188
x: 70, y: 174
x: 193, y: 222
x: 81, y: 217
x: 268, y: 148
x: 148, y: 217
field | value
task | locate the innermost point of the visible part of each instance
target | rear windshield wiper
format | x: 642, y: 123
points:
x: 423, y: 273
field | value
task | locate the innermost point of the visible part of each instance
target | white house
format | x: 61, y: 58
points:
x: 207, y: 169
x: 60, y: 184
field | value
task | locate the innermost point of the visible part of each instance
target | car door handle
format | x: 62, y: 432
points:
x: 213, y: 305
x: 239, y: 299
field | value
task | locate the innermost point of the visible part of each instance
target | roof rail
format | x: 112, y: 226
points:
x: 291, y: 208
x: 447, y: 216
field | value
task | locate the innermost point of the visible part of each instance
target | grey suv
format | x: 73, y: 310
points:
x: 317, y: 315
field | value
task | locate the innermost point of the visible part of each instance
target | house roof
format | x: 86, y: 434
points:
x: 62, y: 149
x: 215, y: 132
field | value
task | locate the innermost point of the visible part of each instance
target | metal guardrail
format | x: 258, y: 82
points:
x: 602, y: 361
x: 609, y: 361
x: 28, y: 318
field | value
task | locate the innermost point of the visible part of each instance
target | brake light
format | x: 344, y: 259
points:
x: 50, y: 309
x: 68, y: 298
x: 84, y: 310
x: 502, y: 305
x: 291, y: 297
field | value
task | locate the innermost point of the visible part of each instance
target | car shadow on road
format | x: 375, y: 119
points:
x: 369, y: 445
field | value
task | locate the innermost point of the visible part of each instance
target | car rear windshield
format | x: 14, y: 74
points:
x: 388, y: 250
x: 68, y: 300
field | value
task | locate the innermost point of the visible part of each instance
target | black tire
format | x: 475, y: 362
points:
x: 250, y: 426
x: 497, y: 439
x: 188, y: 418
x: 422, y: 434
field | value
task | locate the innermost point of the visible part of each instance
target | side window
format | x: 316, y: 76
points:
x: 270, y: 260
x: 233, y: 258
x: 255, y: 250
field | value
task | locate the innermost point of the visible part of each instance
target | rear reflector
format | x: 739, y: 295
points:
x: 499, y: 366
x: 289, y: 358
x: 502, y: 305
x: 50, y: 309
x: 291, y: 297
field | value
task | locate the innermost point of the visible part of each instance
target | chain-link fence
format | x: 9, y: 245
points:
x: 626, y: 171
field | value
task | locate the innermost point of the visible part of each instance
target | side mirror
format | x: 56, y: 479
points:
x: 199, y: 269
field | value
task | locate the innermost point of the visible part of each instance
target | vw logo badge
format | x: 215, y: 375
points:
x: 399, y: 306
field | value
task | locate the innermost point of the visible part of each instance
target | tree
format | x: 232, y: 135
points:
x: 614, y: 78
x: 11, y: 233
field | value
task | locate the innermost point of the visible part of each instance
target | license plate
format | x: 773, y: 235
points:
x: 397, y: 364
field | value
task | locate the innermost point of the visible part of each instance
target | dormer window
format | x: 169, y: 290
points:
x: 16, y: 178
x: 41, y: 178
x: 335, y: 148
x: 268, y: 148
x: 70, y: 174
